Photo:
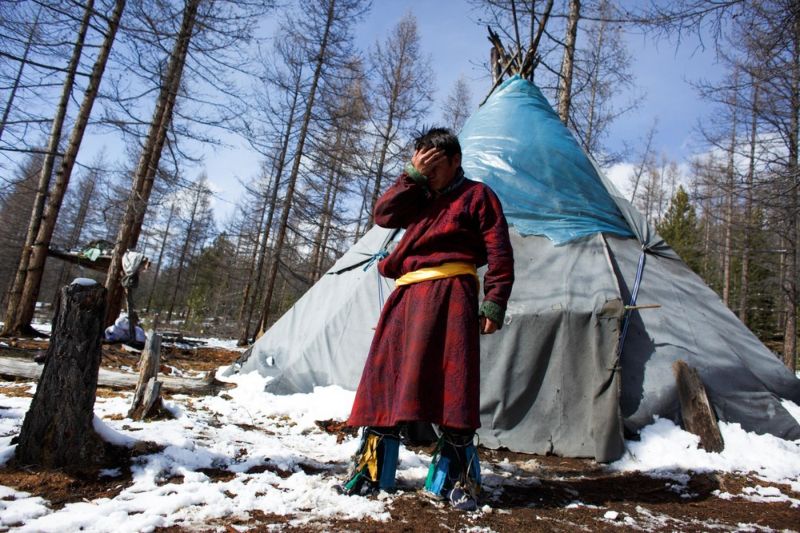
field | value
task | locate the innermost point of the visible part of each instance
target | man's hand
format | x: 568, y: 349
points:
x: 488, y: 326
x: 425, y: 160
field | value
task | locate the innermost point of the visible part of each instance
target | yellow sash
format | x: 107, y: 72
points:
x: 445, y: 270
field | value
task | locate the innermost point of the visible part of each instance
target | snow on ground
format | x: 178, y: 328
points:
x: 209, y: 342
x: 278, y: 461
x: 238, y: 430
x: 665, y: 450
x: 213, y: 342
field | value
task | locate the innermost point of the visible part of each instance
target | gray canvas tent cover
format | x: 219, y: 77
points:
x: 554, y: 379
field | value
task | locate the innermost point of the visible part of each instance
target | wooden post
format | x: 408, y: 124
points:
x: 58, y: 429
x: 698, y: 416
x: 147, y: 398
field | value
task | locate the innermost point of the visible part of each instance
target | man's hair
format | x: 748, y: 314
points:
x: 441, y: 138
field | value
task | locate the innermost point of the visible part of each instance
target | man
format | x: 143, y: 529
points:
x: 424, y: 362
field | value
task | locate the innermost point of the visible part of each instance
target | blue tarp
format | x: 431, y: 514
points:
x: 516, y: 144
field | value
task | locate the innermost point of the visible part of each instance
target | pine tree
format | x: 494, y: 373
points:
x: 679, y: 229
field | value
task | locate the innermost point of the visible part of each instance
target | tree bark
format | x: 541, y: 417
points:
x: 41, y: 245
x: 287, y: 203
x: 149, y: 159
x: 567, y: 63
x: 14, y: 323
x: 58, y: 429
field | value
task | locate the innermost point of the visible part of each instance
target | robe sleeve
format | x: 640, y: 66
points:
x: 499, y: 275
x: 404, y: 199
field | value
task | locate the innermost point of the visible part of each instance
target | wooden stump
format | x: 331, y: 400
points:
x: 147, y: 398
x: 698, y: 416
x: 58, y: 429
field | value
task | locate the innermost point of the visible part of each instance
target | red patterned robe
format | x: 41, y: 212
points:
x: 424, y: 362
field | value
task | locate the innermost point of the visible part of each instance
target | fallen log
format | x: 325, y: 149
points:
x: 696, y: 411
x: 21, y: 368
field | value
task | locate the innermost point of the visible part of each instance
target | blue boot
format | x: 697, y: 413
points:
x: 455, y: 472
x: 375, y: 463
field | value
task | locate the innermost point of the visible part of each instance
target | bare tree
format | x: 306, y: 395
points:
x: 16, y: 84
x: 149, y: 158
x: 197, y: 225
x: 602, y: 72
x: 748, y: 207
x: 43, y: 219
x: 402, y: 92
x: 326, y: 26
x: 457, y: 106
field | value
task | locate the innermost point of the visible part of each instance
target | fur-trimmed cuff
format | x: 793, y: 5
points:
x: 415, y: 174
x: 493, y: 312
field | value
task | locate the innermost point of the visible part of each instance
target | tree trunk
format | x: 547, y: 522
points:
x: 148, y: 161
x: 594, y: 81
x: 707, y: 234
x: 790, y: 279
x: 14, y: 323
x: 362, y: 229
x: 376, y: 190
x: 244, y: 336
x: 326, y: 226
x: 334, y: 161
x: 146, y: 399
x: 77, y: 230
x: 287, y: 204
x: 645, y: 158
x: 41, y: 245
x: 696, y: 411
x: 160, y: 256
x: 251, y: 267
x: 58, y: 429
x: 730, y: 185
x: 567, y: 63
x: 182, y: 259
x: 744, y: 290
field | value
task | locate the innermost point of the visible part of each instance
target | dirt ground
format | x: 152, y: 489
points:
x: 549, y: 493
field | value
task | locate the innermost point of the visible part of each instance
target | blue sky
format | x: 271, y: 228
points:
x: 457, y: 45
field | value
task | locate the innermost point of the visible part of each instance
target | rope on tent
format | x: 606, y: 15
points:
x: 377, y: 256
x: 634, y: 294
x: 374, y: 258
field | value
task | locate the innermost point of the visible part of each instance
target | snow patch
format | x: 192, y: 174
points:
x: 84, y: 282
x: 222, y: 458
x: 665, y: 450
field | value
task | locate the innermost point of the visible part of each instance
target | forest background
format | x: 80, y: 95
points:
x: 242, y: 144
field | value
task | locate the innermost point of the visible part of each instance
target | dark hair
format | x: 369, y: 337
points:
x: 441, y: 138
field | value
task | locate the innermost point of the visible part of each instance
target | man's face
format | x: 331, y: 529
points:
x: 443, y: 172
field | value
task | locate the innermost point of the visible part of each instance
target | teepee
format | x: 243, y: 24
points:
x: 571, y: 371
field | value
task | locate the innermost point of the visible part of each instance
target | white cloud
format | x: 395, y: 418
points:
x: 620, y: 175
